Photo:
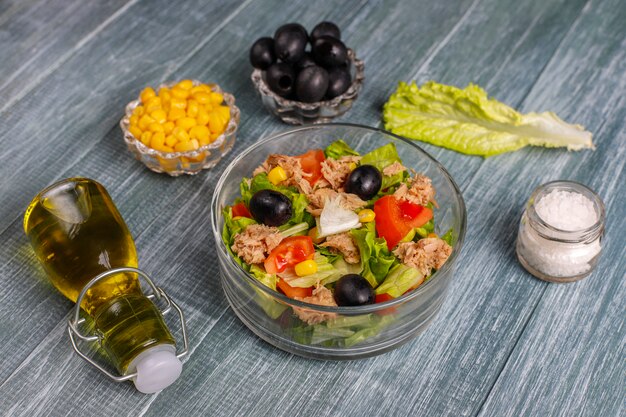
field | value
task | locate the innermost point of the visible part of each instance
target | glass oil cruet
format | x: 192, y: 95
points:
x: 89, y: 255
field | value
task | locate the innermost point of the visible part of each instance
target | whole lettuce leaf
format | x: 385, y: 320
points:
x: 467, y: 121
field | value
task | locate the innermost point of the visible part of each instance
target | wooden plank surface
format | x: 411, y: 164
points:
x: 485, y: 353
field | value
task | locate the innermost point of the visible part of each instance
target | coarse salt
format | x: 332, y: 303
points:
x: 566, y: 210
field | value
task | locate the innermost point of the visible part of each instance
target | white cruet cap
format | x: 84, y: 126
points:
x: 156, y: 367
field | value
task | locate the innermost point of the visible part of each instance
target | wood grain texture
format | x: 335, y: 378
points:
x: 503, y: 344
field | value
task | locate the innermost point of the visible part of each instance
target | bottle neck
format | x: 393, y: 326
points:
x: 130, y: 324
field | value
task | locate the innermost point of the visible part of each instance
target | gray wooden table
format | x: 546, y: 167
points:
x: 504, y: 343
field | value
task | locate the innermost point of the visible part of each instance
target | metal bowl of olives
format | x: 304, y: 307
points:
x: 347, y: 332
x: 306, y: 78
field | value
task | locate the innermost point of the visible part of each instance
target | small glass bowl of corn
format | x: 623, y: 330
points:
x: 181, y: 127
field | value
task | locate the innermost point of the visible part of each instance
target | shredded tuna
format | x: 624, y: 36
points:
x: 295, y: 174
x: 393, y: 169
x: 256, y: 242
x: 425, y: 254
x: 321, y: 296
x: 318, y: 199
x: 344, y: 243
x: 336, y: 171
x: 420, y: 191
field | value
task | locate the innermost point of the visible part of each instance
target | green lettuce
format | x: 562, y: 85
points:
x: 269, y: 280
x: 339, y: 148
x: 326, y: 273
x: 467, y: 121
x: 400, y: 279
x: 376, y: 260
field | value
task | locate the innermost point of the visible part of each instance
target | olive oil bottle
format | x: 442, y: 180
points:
x: 77, y: 234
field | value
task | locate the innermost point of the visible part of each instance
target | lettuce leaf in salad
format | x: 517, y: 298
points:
x: 468, y: 121
x: 269, y: 280
x: 449, y: 237
x: 376, y: 260
x: 400, y: 279
x: 325, y: 272
x: 339, y: 148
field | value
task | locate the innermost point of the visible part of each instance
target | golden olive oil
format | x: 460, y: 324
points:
x: 77, y: 233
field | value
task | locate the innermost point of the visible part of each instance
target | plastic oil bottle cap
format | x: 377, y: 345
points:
x: 156, y: 367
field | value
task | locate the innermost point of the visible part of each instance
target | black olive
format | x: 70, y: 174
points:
x: 290, y: 41
x: 364, y: 181
x: 325, y: 29
x: 306, y: 61
x: 262, y: 53
x: 339, y: 80
x: 311, y: 84
x: 329, y: 52
x: 353, y: 290
x: 280, y: 78
x: 270, y: 207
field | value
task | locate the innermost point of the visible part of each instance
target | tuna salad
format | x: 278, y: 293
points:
x: 334, y: 228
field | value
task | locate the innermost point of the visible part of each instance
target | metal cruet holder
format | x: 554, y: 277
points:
x: 157, y: 293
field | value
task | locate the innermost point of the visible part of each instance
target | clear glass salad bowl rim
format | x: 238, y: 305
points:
x: 359, y: 66
x: 548, y: 231
x: 231, y: 128
x: 345, y: 310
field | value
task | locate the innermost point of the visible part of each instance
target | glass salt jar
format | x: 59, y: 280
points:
x: 560, y: 232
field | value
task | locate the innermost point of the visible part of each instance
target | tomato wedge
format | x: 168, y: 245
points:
x: 293, y: 292
x: 240, y: 210
x: 311, y: 164
x: 396, y: 218
x: 381, y: 298
x: 289, y: 252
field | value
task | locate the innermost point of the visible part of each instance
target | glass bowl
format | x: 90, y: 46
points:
x: 353, y: 332
x: 189, y: 162
x: 299, y: 113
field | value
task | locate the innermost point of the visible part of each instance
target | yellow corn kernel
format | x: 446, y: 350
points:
x: 180, y: 134
x: 216, y: 123
x: 178, y: 103
x: 202, y: 88
x: 432, y: 235
x: 145, y: 138
x: 171, y: 140
x: 192, y: 108
x: 179, y: 93
x: 186, y: 122
x: 159, y: 115
x: 186, y: 146
x: 146, y: 94
x: 145, y: 121
x: 202, y: 97
x: 217, y: 98
x: 133, y: 119
x: 153, y: 104
x: 165, y: 93
x: 199, y: 132
x: 139, y: 111
x: 313, y: 235
x: 185, y: 84
x: 214, y: 136
x: 166, y: 148
x: 366, y: 216
x: 203, y: 116
x: 175, y: 114
x: 168, y: 127
x: 156, y: 127
x: 135, y: 131
x: 352, y: 166
x: 277, y: 175
x: 157, y: 140
x: 200, y: 157
x: 223, y: 111
x: 205, y: 141
x: 305, y: 268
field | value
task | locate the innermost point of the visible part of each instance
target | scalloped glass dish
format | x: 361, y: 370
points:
x: 349, y: 332
x: 189, y: 162
x: 299, y: 113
